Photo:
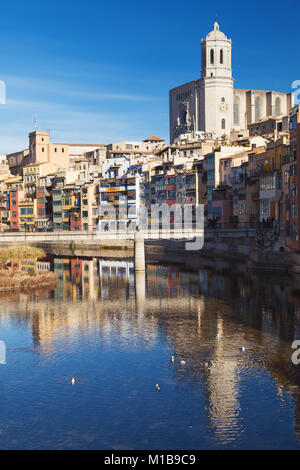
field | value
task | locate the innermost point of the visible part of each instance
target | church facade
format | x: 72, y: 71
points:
x: 211, y: 104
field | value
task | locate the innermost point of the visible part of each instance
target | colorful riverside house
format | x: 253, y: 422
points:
x: 171, y: 188
x: 27, y: 215
x: 43, y: 216
x: 292, y: 239
x: 67, y: 205
x: 187, y: 187
x: 15, y: 195
x: 222, y: 207
x: 120, y: 201
x: 88, y: 205
x: 159, y: 186
x: 57, y: 208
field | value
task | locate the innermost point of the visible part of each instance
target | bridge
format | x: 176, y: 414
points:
x: 97, y: 235
x: 194, y: 239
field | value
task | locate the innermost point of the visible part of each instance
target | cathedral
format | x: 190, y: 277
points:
x: 211, y: 104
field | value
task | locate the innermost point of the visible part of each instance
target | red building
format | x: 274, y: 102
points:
x: 171, y: 189
x: 41, y: 213
x: 15, y: 195
x: 75, y: 223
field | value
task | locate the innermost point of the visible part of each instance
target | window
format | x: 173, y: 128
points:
x: 55, y: 150
x: 277, y: 107
x: 294, y: 210
x: 26, y: 210
x: 221, y: 56
x: 265, y: 207
x: 257, y: 108
x: 43, y: 149
x: 223, y: 124
x: 236, y: 111
x: 212, y: 56
x: 63, y: 150
x: 171, y: 194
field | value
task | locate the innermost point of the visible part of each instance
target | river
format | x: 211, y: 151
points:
x: 232, y: 384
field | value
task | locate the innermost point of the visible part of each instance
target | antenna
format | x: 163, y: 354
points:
x: 35, y: 124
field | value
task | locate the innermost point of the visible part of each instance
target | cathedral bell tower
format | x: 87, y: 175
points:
x: 216, y: 88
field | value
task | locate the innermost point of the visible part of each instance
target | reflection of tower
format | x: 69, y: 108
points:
x: 222, y: 383
x: 88, y: 280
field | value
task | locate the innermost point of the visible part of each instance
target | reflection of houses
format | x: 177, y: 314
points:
x: 207, y: 333
x: 173, y: 281
x: 77, y: 278
x: 43, y: 266
x: 28, y: 265
x: 116, y: 279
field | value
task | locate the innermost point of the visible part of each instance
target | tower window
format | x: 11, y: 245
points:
x: 212, y: 58
x: 223, y: 124
x: 257, y: 108
x: 221, y: 56
x: 236, y: 111
x: 277, y: 107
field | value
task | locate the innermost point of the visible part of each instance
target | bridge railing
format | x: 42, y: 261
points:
x: 80, y: 236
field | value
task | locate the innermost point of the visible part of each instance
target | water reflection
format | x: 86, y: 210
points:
x: 231, y: 397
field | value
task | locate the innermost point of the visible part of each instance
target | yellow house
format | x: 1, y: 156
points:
x: 68, y: 203
x: 27, y: 215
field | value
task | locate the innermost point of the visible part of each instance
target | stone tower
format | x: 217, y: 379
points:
x: 216, y: 87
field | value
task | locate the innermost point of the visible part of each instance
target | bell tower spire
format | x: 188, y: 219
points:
x: 216, y: 83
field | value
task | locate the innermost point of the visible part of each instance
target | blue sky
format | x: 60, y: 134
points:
x: 100, y: 72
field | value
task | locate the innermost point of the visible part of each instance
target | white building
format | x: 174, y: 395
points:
x: 211, y: 104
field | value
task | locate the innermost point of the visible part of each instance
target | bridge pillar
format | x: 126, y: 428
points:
x: 139, y: 251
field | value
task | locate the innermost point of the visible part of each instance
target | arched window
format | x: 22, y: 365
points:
x: 221, y: 56
x: 212, y: 58
x: 277, y: 107
x: 236, y: 111
x: 223, y: 124
x: 257, y: 108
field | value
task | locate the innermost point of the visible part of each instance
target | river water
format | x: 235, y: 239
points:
x: 115, y: 336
